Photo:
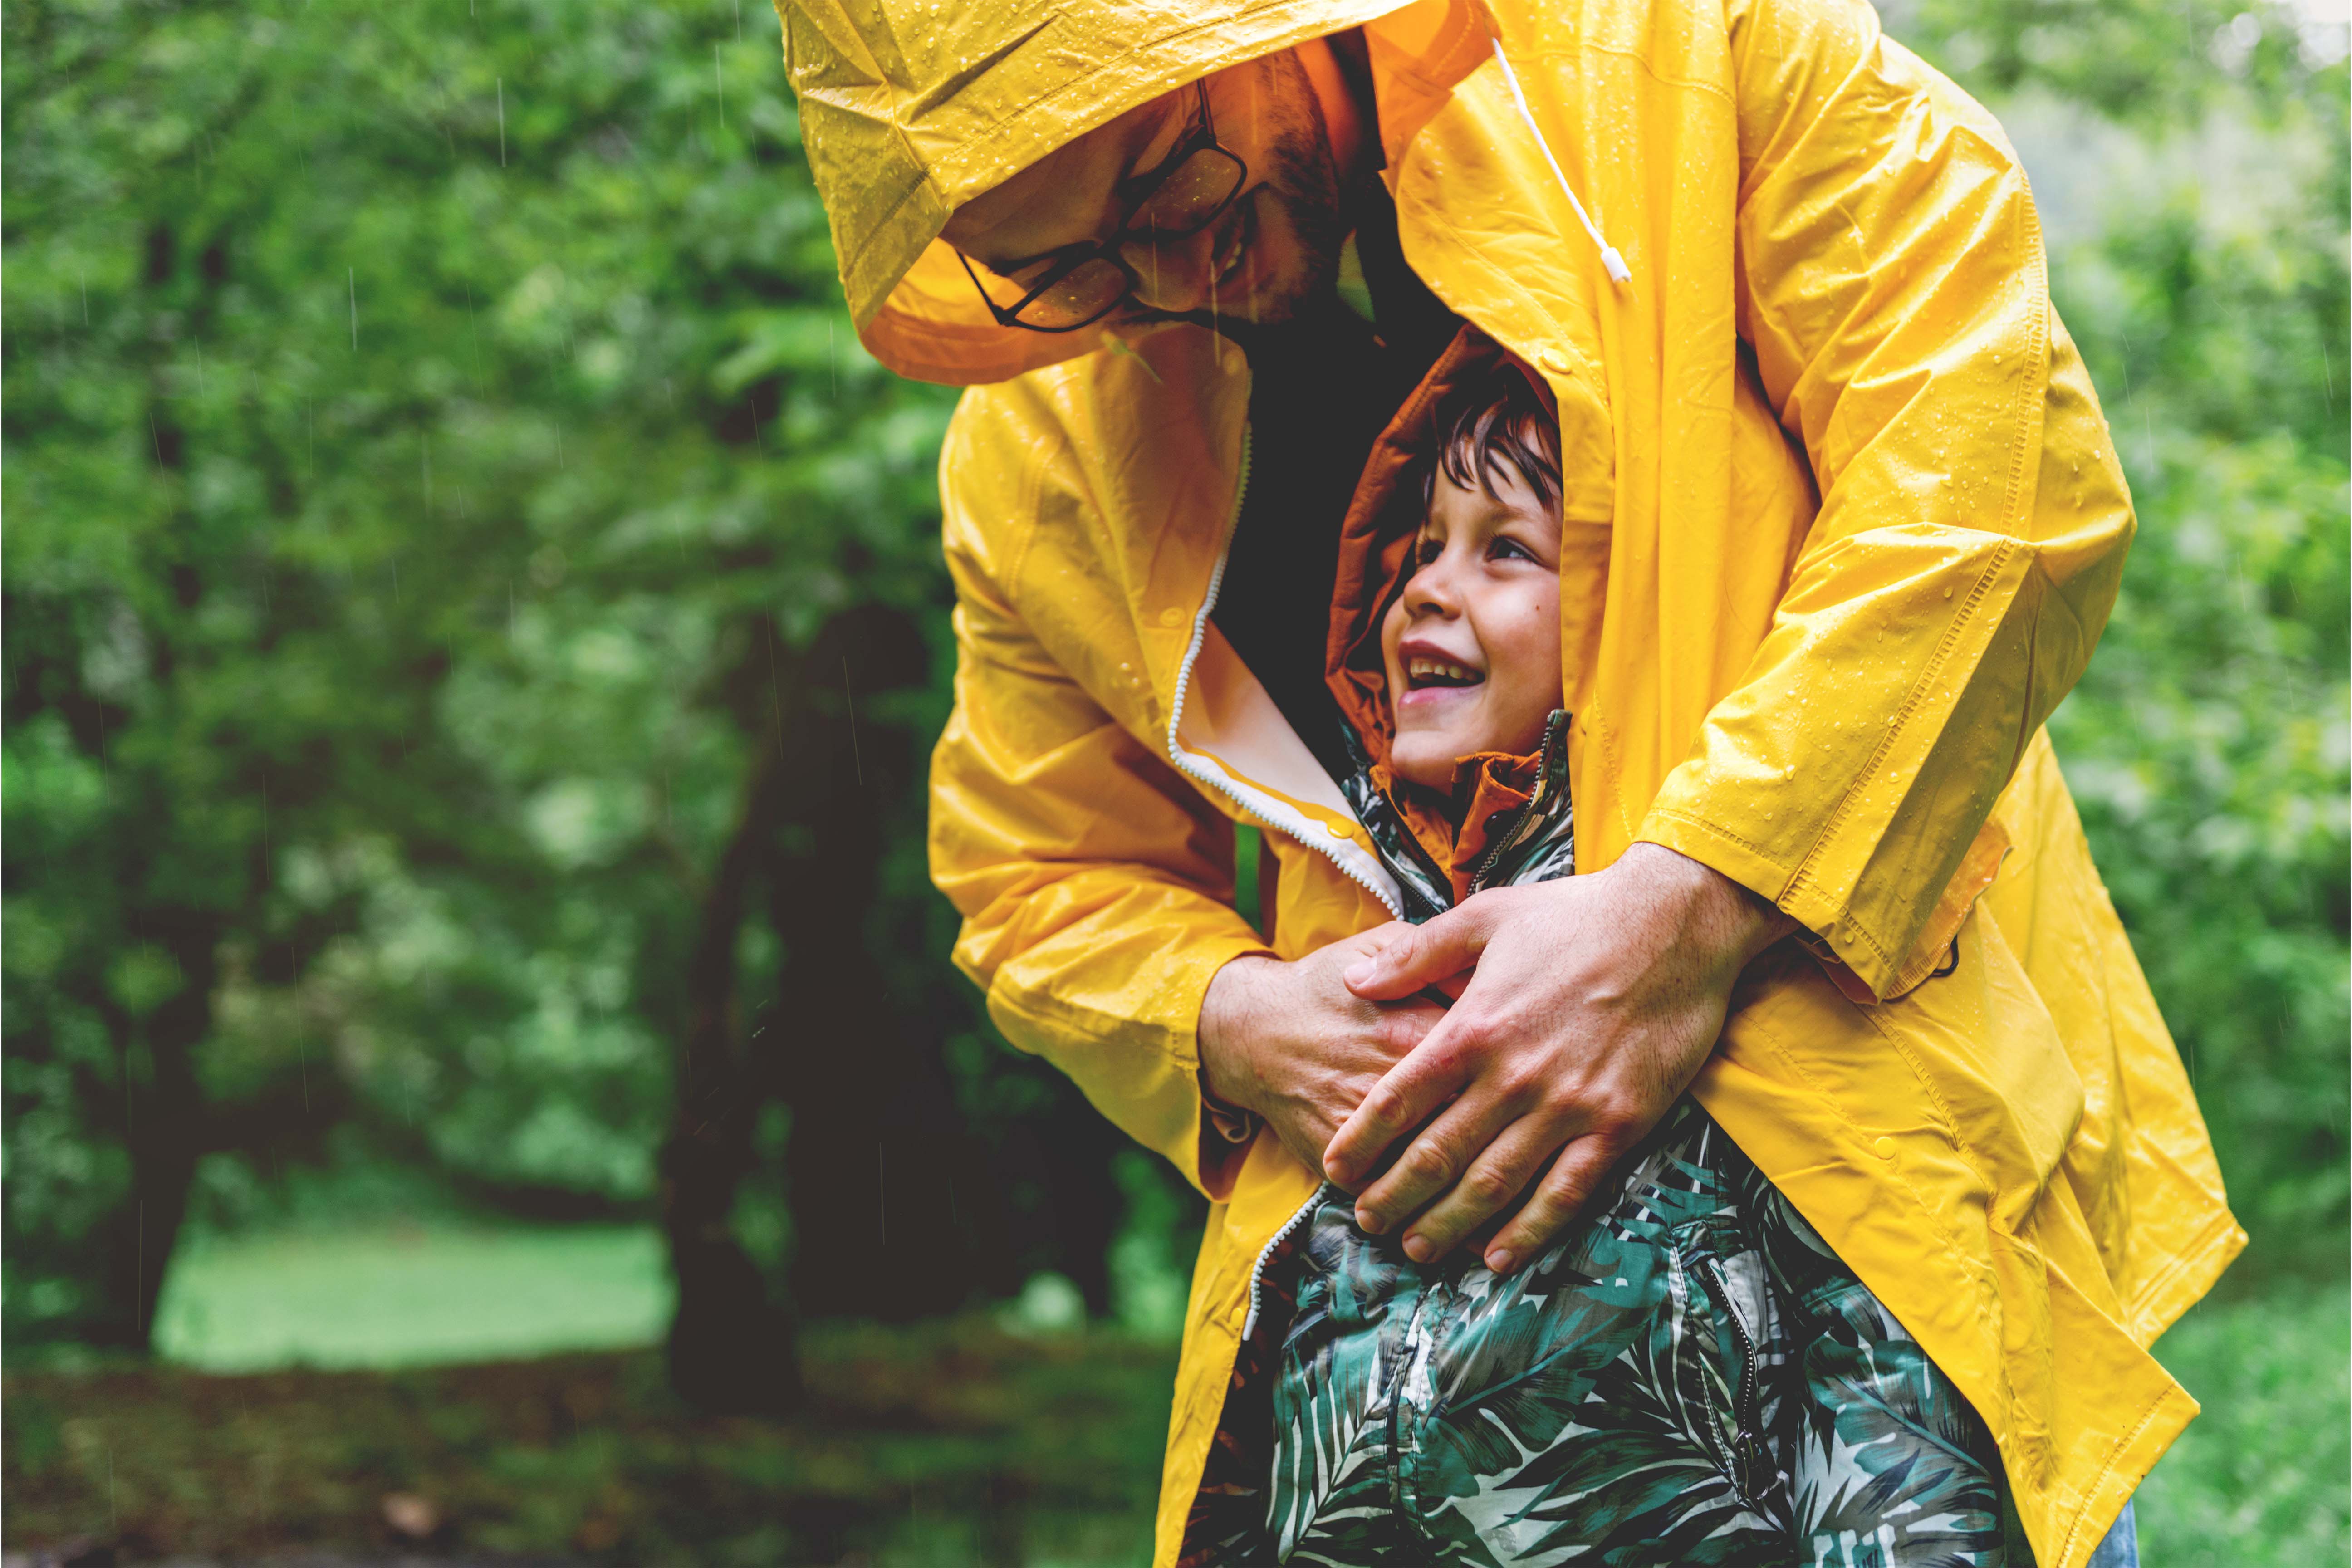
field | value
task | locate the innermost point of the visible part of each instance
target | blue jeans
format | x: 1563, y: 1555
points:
x: 2121, y: 1548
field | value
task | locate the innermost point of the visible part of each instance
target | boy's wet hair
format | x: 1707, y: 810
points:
x: 1494, y: 420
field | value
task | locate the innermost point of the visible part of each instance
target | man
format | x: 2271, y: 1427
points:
x: 1865, y: 525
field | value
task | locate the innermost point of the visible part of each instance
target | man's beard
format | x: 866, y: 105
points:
x: 1302, y: 179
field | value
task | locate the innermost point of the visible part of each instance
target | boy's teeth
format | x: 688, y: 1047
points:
x: 1439, y: 669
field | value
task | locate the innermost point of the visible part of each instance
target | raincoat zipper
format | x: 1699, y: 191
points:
x: 1526, y: 819
x: 1257, y: 1269
x: 1300, y: 829
x: 1292, y: 823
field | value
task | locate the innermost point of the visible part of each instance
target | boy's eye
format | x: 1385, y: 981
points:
x: 1509, y: 549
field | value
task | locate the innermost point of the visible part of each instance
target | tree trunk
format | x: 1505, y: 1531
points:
x: 731, y: 1349
x: 888, y: 1200
x: 163, y: 1130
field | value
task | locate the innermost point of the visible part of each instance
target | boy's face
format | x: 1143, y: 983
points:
x: 1472, y: 645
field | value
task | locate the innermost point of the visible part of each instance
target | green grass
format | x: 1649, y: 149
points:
x: 944, y: 1442
x: 2259, y: 1480
x: 387, y: 1297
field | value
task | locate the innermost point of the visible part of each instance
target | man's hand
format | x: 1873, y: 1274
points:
x: 1594, y: 1002
x: 1290, y: 1042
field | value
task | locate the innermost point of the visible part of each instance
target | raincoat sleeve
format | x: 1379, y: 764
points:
x: 1095, y: 884
x: 1973, y: 519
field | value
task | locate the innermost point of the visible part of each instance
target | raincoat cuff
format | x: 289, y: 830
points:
x: 1226, y: 1133
x: 1854, y: 965
x: 1856, y: 962
x: 1223, y: 1132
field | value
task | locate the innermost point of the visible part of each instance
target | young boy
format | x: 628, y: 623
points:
x: 1691, y: 1377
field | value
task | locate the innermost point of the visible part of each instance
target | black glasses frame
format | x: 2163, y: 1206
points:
x: 1204, y: 140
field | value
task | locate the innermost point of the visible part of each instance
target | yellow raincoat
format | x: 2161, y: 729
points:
x: 1858, y: 524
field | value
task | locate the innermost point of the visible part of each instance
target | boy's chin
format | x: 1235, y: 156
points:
x: 1429, y: 765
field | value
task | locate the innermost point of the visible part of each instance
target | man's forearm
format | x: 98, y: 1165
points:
x: 1729, y: 918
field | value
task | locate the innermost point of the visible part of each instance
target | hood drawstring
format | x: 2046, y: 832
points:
x: 1615, y: 264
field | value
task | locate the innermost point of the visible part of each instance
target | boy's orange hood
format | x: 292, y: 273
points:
x: 1383, y: 520
x: 1375, y: 550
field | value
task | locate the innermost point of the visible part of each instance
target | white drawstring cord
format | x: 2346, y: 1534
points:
x: 1615, y: 264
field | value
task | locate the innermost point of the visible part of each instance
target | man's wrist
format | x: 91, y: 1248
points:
x: 1220, y: 1037
x: 1734, y: 919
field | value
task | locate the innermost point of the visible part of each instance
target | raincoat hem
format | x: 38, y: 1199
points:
x: 2127, y: 1465
x: 2183, y: 1282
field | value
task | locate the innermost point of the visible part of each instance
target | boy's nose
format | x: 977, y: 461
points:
x: 1432, y: 590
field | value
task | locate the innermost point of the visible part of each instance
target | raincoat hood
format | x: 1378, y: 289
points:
x: 910, y: 108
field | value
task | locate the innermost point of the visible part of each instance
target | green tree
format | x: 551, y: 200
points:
x: 429, y: 435
x: 2199, y: 255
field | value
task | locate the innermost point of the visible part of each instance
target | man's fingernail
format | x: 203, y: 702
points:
x: 1358, y: 973
x: 1418, y: 1248
x: 1367, y: 1221
x: 1500, y: 1261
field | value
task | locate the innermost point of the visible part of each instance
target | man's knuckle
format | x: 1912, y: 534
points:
x: 1485, y: 902
x: 1530, y: 1233
x: 1474, y: 1033
x: 1611, y: 1110
x: 1489, y: 1185
x: 1428, y: 1161
x: 1565, y: 1187
x: 1524, y: 1083
x: 1405, y: 1029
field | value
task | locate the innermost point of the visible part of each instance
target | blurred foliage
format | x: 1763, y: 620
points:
x: 2257, y: 1481
x: 2151, y: 63
x: 426, y: 430
x: 432, y: 438
x: 2204, y: 279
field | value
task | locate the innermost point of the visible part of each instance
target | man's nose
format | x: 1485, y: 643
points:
x: 1174, y: 275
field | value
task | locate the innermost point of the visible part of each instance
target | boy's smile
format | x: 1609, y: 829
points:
x: 1472, y: 644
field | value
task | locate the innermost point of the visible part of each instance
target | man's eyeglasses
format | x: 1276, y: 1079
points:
x: 1084, y: 283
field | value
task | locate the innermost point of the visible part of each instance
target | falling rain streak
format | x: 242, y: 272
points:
x: 850, y: 697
